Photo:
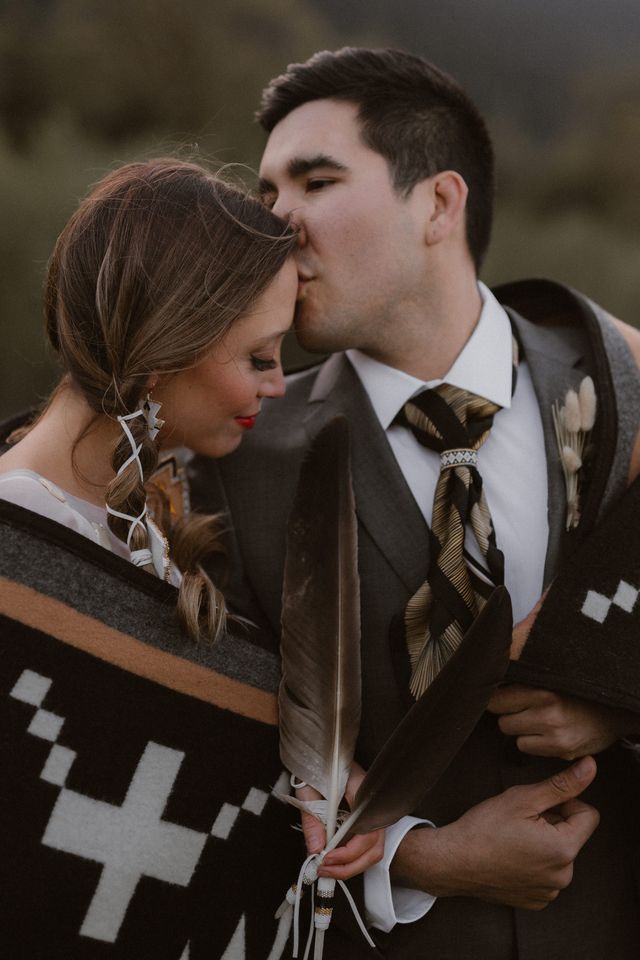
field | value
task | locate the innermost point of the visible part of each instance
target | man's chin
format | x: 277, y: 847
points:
x: 312, y: 329
x: 305, y: 325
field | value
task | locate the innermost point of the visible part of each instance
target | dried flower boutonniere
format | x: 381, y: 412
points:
x: 573, y: 421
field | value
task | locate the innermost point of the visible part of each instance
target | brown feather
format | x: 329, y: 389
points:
x: 319, y: 699
x: 429, y: 736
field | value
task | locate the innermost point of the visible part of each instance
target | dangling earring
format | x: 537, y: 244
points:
x: 150, y: 409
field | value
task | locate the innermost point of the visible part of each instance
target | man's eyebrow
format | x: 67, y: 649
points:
x: 298, y: 166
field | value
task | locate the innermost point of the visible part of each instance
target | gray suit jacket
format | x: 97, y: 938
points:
x: 257, y: 484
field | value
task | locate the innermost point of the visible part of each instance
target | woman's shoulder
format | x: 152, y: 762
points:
x: 29, y: 486
x: 29, y: 489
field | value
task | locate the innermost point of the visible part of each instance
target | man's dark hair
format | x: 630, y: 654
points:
x: 411, y: 113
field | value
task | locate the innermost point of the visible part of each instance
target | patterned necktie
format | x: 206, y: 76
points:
x: 455, y: 423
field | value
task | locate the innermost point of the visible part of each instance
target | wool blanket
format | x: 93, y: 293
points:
x: 585, y: 640
x: 139, y: 772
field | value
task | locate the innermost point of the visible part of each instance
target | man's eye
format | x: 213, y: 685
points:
x: 318, y: 183
x: 260, y: 364
x: 268, y: 200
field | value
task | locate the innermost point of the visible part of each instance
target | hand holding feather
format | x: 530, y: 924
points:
x: 356, y: 855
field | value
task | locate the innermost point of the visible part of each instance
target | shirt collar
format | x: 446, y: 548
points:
x: 484, y: 366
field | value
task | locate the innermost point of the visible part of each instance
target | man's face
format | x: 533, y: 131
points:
x: 361, y: 257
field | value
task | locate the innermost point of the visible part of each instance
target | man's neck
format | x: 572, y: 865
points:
x: 427, y: 346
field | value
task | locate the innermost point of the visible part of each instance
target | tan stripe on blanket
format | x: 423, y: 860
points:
x: 79, y: 630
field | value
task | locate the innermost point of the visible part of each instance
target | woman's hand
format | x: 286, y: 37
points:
x: 359, y: 853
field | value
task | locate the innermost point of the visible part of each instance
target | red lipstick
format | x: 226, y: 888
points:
x: 246, y: 422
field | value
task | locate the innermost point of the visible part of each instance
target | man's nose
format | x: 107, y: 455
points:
x: 294, y: 215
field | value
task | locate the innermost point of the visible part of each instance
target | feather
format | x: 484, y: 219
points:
x: 431, y: 733
x: 319, y: 698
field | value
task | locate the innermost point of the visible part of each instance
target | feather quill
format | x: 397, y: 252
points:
x: 431, y: 733
x: 319, y: 698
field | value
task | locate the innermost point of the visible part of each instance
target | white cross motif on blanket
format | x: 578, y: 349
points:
x: 596, y: 605
x: 132, y: 840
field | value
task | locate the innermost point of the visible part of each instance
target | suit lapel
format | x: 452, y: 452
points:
x: 553, y: 362
x: 384, y: 503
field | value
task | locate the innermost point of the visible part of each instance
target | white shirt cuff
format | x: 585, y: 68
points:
x: 386, y: 905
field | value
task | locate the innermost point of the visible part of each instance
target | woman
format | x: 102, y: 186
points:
x: 133, y: 308
x: 141, y: 761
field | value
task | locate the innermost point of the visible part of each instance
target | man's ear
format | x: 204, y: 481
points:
x: 448, y: 195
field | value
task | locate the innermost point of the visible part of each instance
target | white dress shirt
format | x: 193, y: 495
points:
x: 513, y: 465
x: 512, y: 461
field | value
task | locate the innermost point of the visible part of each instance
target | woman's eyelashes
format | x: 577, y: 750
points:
x: 261, y: 363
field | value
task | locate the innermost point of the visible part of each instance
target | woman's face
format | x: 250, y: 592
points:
x: 208, y: 407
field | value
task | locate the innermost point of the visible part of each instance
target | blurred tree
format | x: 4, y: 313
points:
x: 25, y: 90
x: 569, y: 207
x: 124, y: 69
x: 86, y: 84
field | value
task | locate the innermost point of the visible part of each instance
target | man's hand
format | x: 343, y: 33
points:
x: 359, y: 853
x: 547, y: 724
x: 516, y: 849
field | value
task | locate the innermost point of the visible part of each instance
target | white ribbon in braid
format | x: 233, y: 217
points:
x: 140, y: 558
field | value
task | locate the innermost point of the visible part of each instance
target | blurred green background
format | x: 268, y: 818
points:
x: 86, y: 84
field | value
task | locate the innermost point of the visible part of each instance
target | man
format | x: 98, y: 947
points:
x: 385, y: 167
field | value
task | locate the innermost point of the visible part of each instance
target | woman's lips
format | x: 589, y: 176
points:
x: 247, y: 422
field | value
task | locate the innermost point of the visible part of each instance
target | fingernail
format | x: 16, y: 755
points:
x: 582, y: 768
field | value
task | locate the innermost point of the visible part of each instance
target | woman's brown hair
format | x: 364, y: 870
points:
x: 149, y: 273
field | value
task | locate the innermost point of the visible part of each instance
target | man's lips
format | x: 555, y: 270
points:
x: 247, y: 422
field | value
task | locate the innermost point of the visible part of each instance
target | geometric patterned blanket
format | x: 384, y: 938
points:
x: 138, y: 772
x: 585, y: 640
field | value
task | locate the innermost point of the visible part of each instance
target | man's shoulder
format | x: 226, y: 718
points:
x: 631, y: 336
x: 549, y: 304
x: 551, y: 312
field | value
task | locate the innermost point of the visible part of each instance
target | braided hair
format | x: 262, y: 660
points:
x: 151, y: 271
